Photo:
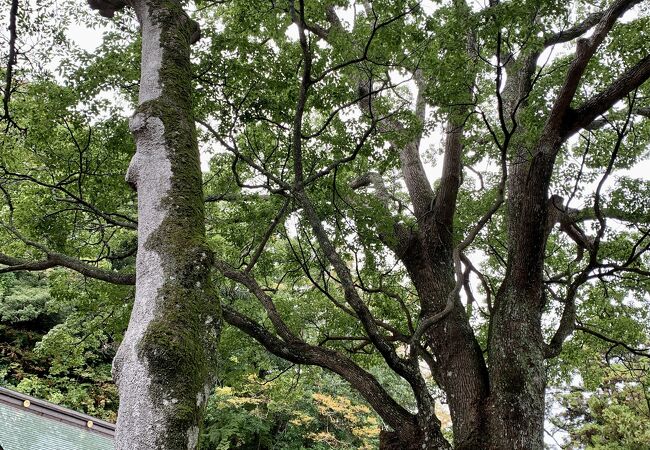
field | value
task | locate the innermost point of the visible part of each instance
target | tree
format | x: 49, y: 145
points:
x: 164, y: 368
x: 348, y: 271
x: 617, y: 417
x: 58, y: 340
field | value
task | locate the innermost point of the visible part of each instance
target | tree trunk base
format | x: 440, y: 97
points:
x: 390, y: 440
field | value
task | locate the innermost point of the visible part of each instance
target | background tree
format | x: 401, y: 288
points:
x: 616, y: 416
x: 58, y: 338
x: 336, y: 249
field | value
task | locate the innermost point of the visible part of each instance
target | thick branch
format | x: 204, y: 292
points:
x: 54, y: 259
x: 302, y: 353
x: 585, y: 49
x: 575, y: 31
x: 586, y: 113
x: 298, y: 18
x: 415, y: 177
x: 445, y: 204
x: 451, y: 179
x: 457, y: 256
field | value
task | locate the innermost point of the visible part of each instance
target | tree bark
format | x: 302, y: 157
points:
x: 390, y: 440
x: 517, y: 373
x: 516, y: 345
x: 459, y: 370
x: 164, y: 367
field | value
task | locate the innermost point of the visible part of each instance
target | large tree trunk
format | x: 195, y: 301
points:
x: 460, y: 370
x: 516, y: 345
x: 164, y: 367
x: 517, y: 373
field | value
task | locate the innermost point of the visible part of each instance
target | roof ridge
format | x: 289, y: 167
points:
x: 56, y: 412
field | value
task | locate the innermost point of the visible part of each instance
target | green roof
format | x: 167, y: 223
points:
x: 27, y: 423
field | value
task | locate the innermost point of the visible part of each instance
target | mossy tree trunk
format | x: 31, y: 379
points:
x: 164, y: 367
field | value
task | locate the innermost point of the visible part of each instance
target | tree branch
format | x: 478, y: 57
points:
x: 585, y: 49
x: 575, y: 31
x: 586, y: 113
x: 12, y: 60
x: 645, y: 352
x: 300, y: 352
x: 54, y: 259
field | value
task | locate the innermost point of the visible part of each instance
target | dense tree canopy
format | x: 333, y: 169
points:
x: 436, y: 201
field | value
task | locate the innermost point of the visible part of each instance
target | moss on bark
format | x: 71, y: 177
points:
x: 179, y: 345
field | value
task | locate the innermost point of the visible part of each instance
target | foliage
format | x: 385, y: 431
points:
x: 288, y: 413
x: 613, y: 416
x: 24, y: 297
x: 58, y: 346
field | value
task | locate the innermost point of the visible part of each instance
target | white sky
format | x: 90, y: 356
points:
x: 86, y: 38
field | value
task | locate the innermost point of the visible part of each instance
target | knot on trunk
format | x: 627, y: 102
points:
x: 107, y: 8
x: 195, y: 31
